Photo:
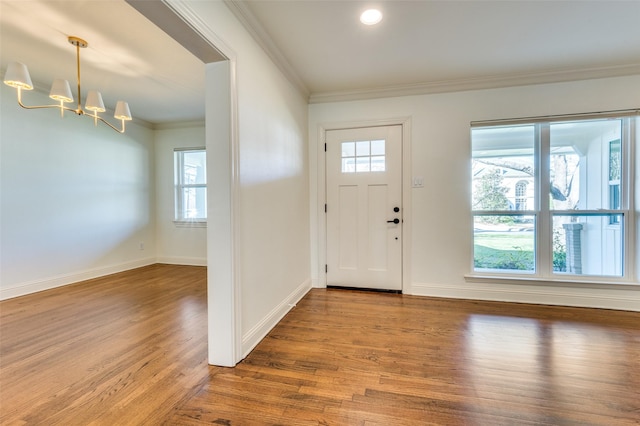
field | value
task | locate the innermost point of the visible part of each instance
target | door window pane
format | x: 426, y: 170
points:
x: 362, y: 164
x: 363, y: 149
x: 378, y: 163
x: 348, y: 149
x: 377, y: 147
x: 349, y: 165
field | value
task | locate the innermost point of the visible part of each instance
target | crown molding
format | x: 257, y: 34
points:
x: 242, y: 12
x: 489, y: 82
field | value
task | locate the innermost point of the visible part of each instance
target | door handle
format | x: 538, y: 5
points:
x: 396, y: 221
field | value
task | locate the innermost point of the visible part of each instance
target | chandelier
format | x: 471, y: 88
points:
x: 17, y: 76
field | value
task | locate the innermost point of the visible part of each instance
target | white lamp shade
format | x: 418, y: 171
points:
x: 122, y: 111
x: 60, y: 91
x: 17, y: 76
x: 94, y: 102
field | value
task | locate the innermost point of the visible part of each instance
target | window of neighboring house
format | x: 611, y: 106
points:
x: 521, y: 195
x: 551, y: 198
x: 190, y: 185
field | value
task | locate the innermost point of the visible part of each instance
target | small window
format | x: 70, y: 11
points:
x: 363, y: 156
x: 190, y: 185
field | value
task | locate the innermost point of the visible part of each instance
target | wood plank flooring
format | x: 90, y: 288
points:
x: 130, y: 349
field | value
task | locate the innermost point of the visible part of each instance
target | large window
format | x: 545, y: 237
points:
x: 551, y: 198
x: 190, y: 185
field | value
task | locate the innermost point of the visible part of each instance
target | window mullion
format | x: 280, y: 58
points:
x: 179, y: 186
x: 544, y: 250
x: 627, y: 193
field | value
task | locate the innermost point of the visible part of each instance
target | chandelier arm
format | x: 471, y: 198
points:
x: 97, y: 117
x: 64, y: 108
x: 41, y: 106
x: 45, y: 106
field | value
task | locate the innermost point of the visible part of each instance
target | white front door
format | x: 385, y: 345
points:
x: 364, y: 207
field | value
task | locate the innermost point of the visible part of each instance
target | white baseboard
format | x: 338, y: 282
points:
x: 189, y: 261
x: 29, y: 287
x: 613, y: 298
x: 257, y: 333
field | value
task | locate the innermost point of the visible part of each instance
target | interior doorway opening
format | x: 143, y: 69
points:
x: 221, y: 145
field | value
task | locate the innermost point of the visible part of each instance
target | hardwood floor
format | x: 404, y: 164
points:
x: 130, y: 349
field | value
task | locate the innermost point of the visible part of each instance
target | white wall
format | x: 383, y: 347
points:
x: 178, y: 244
x: 76, y: 201
x: 274, y: 198
x: 634, y: 152
x: 440, y: 219
x: 268, y: 198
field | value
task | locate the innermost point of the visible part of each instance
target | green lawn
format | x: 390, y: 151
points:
x: 504, y: 250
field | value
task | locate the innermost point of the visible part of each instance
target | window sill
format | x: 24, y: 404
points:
x: 579, y: 282
x: 190, y: 223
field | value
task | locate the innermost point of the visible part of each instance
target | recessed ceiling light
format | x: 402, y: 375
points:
x: 371, y: 17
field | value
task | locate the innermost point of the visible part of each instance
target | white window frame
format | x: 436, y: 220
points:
x: 543, y: 215
x: 180, y: 185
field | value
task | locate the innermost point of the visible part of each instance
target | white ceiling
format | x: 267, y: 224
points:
x: 430, y: 46
x: 420, y: 47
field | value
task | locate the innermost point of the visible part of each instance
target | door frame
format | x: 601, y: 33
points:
x: 405, y: 123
